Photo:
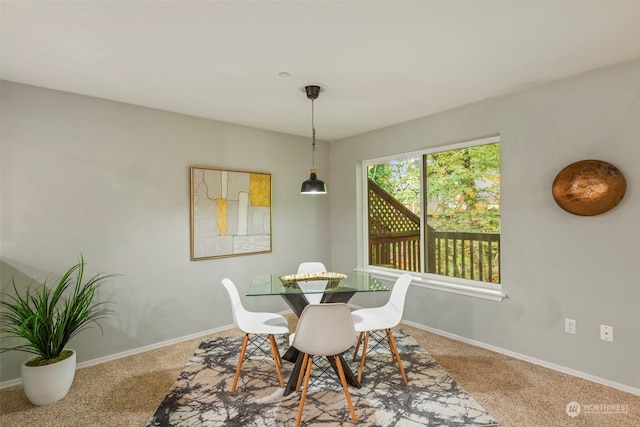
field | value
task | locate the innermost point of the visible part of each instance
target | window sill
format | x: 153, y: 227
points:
x: 460, y: 286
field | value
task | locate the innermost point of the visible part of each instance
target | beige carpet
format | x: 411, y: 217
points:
x: 126, y: 392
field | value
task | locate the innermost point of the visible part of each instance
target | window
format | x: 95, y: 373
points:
x: 437, y: 213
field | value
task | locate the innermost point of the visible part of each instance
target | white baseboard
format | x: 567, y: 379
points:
x: 18, y: 381
x: 150, y: 347
x: 509, y: 353
x: 529, y: 359
x: 10, y: 383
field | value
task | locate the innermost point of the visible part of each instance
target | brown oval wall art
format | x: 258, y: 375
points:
x: 589, y: 187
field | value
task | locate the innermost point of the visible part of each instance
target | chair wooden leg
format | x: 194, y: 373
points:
x: 396, y: 354
x: 276, y: 357
x: 355, y: 352
x: 279, y: 355
x: 302, y: 371
x: 304, y: 390
x: 242, y: 351
x: 274, y: 345
x: 343, y: 380
x: 365, y: 346
x: 393, y: 353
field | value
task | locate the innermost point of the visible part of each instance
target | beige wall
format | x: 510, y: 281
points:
x: 554, y: 265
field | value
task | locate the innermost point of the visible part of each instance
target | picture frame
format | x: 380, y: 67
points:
x: 230, y: 213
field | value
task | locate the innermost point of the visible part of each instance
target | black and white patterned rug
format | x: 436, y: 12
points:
x: 200, y: 396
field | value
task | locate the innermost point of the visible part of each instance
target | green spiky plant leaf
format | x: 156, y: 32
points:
x: 47, y: 317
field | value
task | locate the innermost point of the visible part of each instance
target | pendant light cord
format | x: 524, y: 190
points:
x: 313, y: 185
x: 313, y: 137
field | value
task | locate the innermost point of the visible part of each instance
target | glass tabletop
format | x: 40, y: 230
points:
x: 270, y: 284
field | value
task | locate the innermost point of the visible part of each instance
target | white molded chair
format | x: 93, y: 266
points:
x: 261, y: 324
x: 368, y: 320
x: 324, y: 330
x: 313, y: 285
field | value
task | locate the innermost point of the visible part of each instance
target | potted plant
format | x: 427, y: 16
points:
x: 47, y: 317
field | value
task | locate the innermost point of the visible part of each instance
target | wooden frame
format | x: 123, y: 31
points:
x: 230, y: 213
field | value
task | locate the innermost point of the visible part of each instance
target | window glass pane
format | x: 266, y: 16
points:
x: 462, y: 235
x: 437, y: 212
x: 394, y: 208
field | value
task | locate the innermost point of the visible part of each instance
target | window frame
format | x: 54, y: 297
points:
x: 474, y: 288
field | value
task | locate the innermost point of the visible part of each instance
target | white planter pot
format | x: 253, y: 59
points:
x: 45, y: 385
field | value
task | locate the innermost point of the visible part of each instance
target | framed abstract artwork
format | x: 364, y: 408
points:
x: 230, y: 213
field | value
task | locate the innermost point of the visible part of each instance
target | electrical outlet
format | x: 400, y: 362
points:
x: 606, y: 333
x: 570, y: 326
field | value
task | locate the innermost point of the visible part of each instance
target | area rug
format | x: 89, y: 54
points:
x: 201, y: 397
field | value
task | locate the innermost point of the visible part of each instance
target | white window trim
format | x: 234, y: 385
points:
x: 489, y: 291
x: 472, y: 288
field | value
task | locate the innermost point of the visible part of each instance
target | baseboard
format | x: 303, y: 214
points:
x: 10, y: 383
x: 553, y: 366
x: 151, y: 347
x: 529, y: 359
x: 92, y: 362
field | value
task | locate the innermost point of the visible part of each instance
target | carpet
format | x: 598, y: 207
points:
x: 200, y: 396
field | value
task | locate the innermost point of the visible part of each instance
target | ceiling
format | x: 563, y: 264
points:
x: 380, y: 62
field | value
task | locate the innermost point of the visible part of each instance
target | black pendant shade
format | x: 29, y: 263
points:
x: 313, y: 185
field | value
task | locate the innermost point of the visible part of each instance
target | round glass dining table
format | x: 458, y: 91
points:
x: 336, y: 291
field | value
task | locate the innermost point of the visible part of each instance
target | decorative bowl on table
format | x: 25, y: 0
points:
x: 333, y: 279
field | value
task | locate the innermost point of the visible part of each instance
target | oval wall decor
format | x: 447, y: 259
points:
x: 589, y: 187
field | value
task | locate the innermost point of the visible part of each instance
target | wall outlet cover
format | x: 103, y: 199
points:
x: 570, y: 326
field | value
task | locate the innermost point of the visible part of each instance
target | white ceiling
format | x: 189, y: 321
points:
x: 381, y: 62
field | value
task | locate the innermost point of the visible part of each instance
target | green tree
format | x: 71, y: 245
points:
x: 401, y: 179
x: 463, y: 189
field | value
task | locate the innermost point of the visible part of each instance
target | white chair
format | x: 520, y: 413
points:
x: 368, y: 320
x: 260, y: 324
x: 315, y: 286
x: 324, y: 330
x: 311, y: 285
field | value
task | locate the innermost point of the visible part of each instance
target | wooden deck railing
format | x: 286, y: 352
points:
x: 401, y: 252
x: 474, y: 256
x: 394, y: 242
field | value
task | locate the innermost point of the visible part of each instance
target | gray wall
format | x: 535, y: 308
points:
x: 111, y: 180
x: 554, y: 265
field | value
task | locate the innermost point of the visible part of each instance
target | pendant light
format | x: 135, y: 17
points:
x: 313, y: 185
